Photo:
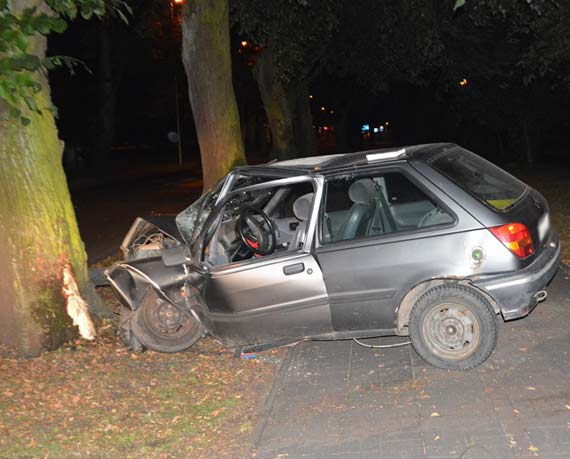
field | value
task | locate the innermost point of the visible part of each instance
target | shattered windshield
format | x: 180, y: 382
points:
x: 191, y: 220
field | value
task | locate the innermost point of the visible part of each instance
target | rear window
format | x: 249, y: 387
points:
x: 483, y: 179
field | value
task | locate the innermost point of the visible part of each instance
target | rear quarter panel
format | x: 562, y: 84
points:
x: 366, y: 279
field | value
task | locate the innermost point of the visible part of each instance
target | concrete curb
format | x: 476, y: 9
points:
x: 270, y: 400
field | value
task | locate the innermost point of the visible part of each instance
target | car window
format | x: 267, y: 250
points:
x: 191, y: 220
x: 366, y: 206
x: 479, y: 177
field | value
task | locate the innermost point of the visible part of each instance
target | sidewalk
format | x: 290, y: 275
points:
x: 340, y: 400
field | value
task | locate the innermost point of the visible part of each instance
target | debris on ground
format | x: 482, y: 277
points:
x: 98, y: 399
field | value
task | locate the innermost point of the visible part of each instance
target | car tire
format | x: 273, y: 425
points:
x: 453, y: 327
x: 125, y: 333
x: 161, y: 327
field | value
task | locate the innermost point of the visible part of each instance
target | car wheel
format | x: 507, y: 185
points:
x: 453, y: 327
x: 160, y: 326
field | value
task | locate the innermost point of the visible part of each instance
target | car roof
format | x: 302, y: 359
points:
x: 327, y: 164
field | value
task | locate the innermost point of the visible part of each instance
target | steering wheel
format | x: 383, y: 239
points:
x: 258, y: 235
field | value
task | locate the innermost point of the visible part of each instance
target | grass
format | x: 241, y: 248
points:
x: 98, y: 400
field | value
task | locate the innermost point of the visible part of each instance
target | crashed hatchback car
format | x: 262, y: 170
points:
x: 430, y: 241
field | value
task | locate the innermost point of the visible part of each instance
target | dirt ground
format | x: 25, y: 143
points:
x: 98, y: 400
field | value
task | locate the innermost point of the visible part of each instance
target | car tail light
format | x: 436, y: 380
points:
x: 516, y: 237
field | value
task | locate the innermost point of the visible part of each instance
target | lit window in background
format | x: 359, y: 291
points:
x: 179, y: 2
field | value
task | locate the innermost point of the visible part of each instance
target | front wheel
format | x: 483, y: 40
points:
x: 453, y: 327
x: 161, y: 327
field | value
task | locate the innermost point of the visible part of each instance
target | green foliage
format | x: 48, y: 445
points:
x: 381, y: 42
x: 19, y: 65
x: 298, y: 31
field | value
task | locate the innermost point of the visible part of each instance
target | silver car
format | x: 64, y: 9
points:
x: 430, y: 241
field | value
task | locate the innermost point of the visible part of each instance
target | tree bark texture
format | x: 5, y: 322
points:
x: 39, y: 236
x: 305, y: 138
x: 278, y: 107
x: 207, y: 60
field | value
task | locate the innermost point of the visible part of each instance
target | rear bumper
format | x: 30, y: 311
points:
x: 518, y: 294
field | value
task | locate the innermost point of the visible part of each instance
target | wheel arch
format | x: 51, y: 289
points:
x: 405, y: 306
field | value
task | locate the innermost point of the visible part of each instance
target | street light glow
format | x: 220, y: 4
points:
x: 463, y: 82
x: 323, y: 109
x: 179, y: 2
x: 244, y: 43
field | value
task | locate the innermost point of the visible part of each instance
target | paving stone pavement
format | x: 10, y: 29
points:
x: 340, y: 400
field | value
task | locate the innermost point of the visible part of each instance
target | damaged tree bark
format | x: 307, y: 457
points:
x: 207, y: 60
x: 43, y: 269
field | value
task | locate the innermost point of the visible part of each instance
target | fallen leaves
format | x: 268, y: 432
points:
x: 118, y: 404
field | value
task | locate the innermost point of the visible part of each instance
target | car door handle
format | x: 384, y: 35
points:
x: 294, y: 269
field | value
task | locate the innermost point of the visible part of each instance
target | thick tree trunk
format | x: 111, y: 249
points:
x: 305, y: 138
x: 207, y: 60
x: 39, y: 237
x: 277, y: 106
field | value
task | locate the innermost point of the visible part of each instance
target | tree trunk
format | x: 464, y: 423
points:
x: 277, y: 106
x: 303, y: 122
x: 206, y: 57
x: 39, y: 237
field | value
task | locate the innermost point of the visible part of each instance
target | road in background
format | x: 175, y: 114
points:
x: 106, y: 210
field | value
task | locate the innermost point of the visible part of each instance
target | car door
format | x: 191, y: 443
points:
x: 368, y: 272
x: 278, y: 297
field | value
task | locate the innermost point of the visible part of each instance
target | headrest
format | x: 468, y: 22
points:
x: 362, y: 191
x: 302, y: 206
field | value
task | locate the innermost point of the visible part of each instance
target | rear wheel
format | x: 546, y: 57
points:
x: 453, y: 327
x: 160, y: 326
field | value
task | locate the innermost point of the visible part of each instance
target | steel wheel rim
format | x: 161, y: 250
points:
x: 451, y: 331
x: 164, y: 320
